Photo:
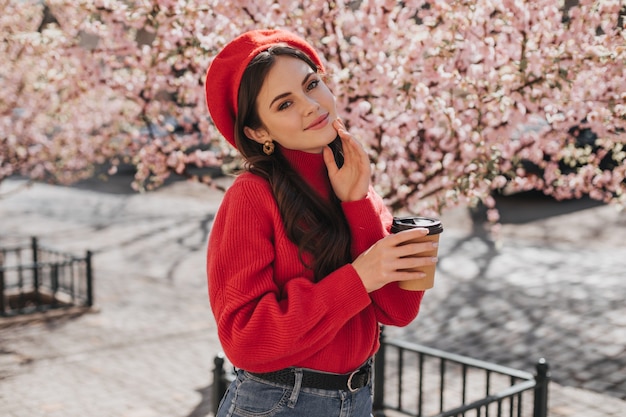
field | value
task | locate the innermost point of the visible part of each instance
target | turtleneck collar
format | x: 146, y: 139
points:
x: 311, y: 167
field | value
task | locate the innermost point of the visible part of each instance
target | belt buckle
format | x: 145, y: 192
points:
x: 349, y: 384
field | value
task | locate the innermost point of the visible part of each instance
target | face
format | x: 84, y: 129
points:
x: 296, y: 108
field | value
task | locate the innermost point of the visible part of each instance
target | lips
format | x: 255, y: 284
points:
x: 318, y: 123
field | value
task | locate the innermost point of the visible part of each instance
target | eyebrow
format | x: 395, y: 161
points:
x: 283, y: 95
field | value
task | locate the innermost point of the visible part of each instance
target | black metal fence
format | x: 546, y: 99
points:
x: 415, y: 380
x: 35, y: 278
x: 418, y: 381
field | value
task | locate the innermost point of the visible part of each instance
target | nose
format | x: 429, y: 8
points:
x: 311, y: 105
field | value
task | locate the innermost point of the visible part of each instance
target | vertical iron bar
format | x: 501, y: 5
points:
x: 89, y: 278
x: 541, y: 389
x: 400, y: 375
x: 70, y: 286
x: 20, y: 286
x: 420, y: 404
x: 34, y: 247
x: 442, y: 371
x: 464, y: 385
x: 54, y: 282
x: 487, y: 390
x: 511, y: 404
x: 3, y: 307
x: 218, y: 388
x: 2, y: 289
x: 19, y: 263
x: 379, y: 376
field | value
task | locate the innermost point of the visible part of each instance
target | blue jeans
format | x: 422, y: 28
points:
x: 249, y: 396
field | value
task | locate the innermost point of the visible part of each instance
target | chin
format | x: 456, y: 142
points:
x: 332, y: 134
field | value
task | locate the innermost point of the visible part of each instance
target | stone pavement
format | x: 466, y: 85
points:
x: 551, y: 287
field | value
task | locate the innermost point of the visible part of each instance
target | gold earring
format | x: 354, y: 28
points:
x: 268, y: 147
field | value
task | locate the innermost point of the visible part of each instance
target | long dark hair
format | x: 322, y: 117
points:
x: 316, y: 226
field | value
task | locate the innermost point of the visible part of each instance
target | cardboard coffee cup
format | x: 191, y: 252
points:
x: 435, y: 228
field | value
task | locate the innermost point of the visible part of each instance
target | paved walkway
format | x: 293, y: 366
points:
x: 551, y: 287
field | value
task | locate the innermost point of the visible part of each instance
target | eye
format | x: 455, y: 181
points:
x: 284, y: 105
x: 314, y: 83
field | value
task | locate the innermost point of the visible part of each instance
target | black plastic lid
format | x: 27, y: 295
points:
x: 434, y: 226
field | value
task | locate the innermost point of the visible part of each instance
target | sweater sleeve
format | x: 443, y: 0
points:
x: 288, y: 322
x: 370, y: 221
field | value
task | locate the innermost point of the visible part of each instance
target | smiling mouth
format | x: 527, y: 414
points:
x: 317, y: 123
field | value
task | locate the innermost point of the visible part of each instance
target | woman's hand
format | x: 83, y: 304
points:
x: 382, y: 262
x: 350, y: 182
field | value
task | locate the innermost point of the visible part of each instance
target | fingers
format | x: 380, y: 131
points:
x: 416, y: 249
x: 412, y: 252
x: 349, y: 143
x: 413, y: 263
x: 408, y: 234
x: 351, y: 182
x: 329, y: 160
x: 347, y: 140
x: 340, y: 127
x: 353, y: 151
x: 391, y: 259
x: 414, y: 243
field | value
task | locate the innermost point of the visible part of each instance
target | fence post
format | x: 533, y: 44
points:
x: 379, y: 378
x: 2, y: 308
x: 54, y: 286
x: 89, y: 279
x: 541, y: 389
x: 34, y: 247
x: 219, y: 382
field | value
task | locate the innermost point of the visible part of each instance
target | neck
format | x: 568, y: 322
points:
x: 311, y: 167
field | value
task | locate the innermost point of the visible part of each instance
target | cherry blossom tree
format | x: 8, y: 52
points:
x: 452, y: 99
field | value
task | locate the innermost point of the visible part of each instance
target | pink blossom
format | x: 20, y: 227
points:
x: 446, y: 114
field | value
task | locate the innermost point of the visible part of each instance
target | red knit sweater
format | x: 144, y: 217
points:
x: 270, y: 313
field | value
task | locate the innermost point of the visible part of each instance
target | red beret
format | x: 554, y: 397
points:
x: 224, y: 74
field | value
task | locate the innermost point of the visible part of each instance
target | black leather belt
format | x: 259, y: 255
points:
x: 320, y: 380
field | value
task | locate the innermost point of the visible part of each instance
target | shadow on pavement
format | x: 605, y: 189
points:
x: 121, y: 182
x: 531, y: 206
x: 517, y: 208
x: 204, y: 408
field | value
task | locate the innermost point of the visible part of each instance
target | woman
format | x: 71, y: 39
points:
x: 300, y: 263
